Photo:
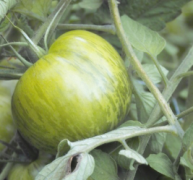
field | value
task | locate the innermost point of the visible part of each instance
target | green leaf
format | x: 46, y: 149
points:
x: 152, y: 13
x: 153, y: 72
x: 126, y: 163
x: 187, y: 139
x: 145, y: 102
x: 141, y: 37
x: 86, y: 146
x: 4, y: 24
x: 90, y: 4
x: 157, y: 142
x: 139, y: 55
x: 131, y: 123
x: 61, y: 165
x: 63, y: 147
x: 34, y: 8
x: 6, y: 5
x: 162, y: 164
x: 173, y: 148
x: 62, y: 168
x: 185, y: 161
x: 131, y: 154
x: 105, y: 166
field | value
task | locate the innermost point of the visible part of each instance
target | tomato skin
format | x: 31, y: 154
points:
x: 78, y: 90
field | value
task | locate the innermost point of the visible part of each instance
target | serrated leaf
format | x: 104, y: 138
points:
x: 90, y: 4
x: 187, y: 139
x: 153, y: 72
x: 162, y: 164
x: 141, y: 37
x: 105, y: 166
x: 152, y: 13
x: 131, y: 154
x: 60, y: 169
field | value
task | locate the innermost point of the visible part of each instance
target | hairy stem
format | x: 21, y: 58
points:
x: 184, y: 113
x: 138, y: 67
x: 104, y: 28
x: 120, y: 135
x: 189, y: 73
x: 41, y: 31
x: 173, y: 82
x: 154, y: 59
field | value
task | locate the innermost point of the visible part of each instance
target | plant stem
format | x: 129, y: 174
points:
x: 54, y: 21
x: 189, y: 73
x: 24, y: 61
x: 124, y: 144
x: 39, y: 51
x: 186, y: 64
x: 156, y: 113
x: 15, y: 43
x: 104, y: 28
x: 142, y: 146
x: 154, y: 59
x: 186, y: 112
x: 117, y: 135
x: 7, y: 168
x: 187, y: 120
x: 138, y: 67
x: 39, y: 34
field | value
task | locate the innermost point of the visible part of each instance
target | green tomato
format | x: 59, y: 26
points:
x: 7, y: 128
x: 27, y: 171
x: 80, y: 89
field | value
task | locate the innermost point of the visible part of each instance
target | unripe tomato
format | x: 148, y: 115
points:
x: 27, y: 171
x: 7, y: 128
x: 78, y: 90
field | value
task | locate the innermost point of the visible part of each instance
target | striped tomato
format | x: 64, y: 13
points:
x: 78, y: 90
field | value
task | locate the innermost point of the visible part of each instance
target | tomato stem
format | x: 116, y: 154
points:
x: 138, y: 67
x: 105, y: 28
x: 15, y: 44
x: 44, y: 27
x: 155, y: 61
x: 56, y: 17
x: 38, y: 50
x: 186, y: 112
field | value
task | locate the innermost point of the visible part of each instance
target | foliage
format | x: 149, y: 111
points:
x: 153, y: 37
